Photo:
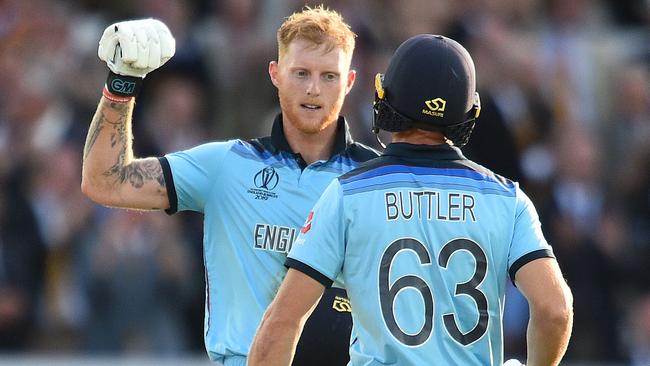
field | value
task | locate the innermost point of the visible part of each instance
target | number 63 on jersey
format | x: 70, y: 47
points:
x: 389, y: 292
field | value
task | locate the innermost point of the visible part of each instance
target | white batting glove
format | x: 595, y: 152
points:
x: 136, y: 47
x: 513, y: 362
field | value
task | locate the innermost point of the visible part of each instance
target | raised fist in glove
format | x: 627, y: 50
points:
x: 132, y: 49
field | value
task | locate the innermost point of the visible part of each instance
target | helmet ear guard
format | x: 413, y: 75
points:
x: 386, y: 118
x: 459, y: 133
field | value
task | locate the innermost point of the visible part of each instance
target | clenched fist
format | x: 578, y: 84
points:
x: 136, y: 47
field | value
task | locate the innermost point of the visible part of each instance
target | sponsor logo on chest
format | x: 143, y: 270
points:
x: 265, y: 181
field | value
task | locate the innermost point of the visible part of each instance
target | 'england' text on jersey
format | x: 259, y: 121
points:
x: 429, y: 205
x: 274, y: 238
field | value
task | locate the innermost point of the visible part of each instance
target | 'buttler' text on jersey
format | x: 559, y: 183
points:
x: 429, y: 205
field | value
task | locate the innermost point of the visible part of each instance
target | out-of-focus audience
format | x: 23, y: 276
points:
x: 565, y: 86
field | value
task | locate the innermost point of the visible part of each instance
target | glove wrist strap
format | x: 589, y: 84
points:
x: 122, y: 85
x: 115, y: 98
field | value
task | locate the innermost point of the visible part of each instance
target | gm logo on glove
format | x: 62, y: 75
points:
x: 122, y: 86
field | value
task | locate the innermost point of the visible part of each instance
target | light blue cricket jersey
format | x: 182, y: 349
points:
x: 255, y: 196
x: 424, y: 240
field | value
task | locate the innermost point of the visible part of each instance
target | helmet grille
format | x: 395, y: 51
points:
x: 459, y: 133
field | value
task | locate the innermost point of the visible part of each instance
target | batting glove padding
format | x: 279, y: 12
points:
x: 136, y: 47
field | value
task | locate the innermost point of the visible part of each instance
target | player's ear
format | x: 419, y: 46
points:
x: 352, y: 76
x: 273, y: 72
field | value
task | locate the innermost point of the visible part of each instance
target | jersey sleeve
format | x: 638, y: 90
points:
x: 320, y: 247
x: 191, y: 174
x: 528, y: 242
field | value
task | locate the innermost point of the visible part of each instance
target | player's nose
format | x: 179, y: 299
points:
x: 313, y: 87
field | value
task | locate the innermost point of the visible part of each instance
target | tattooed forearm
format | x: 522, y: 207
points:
x: 118, y: 136
x: 96, y: 126
x: 101, y: 118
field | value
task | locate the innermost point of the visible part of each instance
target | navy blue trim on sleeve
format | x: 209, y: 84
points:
x: 527, y: 258
x: 169, y: 183
x: 299, y: 266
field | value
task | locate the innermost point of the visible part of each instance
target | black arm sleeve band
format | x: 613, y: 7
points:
x: 299, y: 266
x: 169, y: 183
x: 122, y: 85
x: 542, y: 253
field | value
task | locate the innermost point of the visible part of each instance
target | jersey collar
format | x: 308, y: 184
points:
x: 342, y: 140
x: 437, y: 152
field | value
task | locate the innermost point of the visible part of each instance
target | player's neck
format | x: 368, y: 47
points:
x: 419, y: 137
x: 312, y: 147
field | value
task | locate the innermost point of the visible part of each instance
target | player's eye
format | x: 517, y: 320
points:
x: 330, y: 76
x: 301, y: 74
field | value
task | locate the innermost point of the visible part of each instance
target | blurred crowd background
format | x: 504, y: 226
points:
x: 565, y: 87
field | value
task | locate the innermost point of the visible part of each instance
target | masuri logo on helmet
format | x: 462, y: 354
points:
x: 436, y: 107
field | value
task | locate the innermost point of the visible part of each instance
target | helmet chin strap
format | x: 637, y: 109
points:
x: 379, y: 96
x: 376, y: 131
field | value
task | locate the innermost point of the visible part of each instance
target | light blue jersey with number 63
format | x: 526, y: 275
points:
x: 424, y: 241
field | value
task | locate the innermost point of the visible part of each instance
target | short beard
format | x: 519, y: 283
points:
x: 309, y: 129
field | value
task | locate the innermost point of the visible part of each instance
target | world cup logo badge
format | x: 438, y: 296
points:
x: 266, y: 178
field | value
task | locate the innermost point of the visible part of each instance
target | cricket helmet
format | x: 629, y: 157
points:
x: 430, y: 84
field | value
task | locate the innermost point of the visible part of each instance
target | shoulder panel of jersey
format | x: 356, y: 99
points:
x: 265, y: 152
x: 361, y: 153
x: 344, y: 145
x: 356, y: 151
x: 446, y: 164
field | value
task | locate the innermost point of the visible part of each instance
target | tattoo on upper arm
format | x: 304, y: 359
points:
x: 140, y: 172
